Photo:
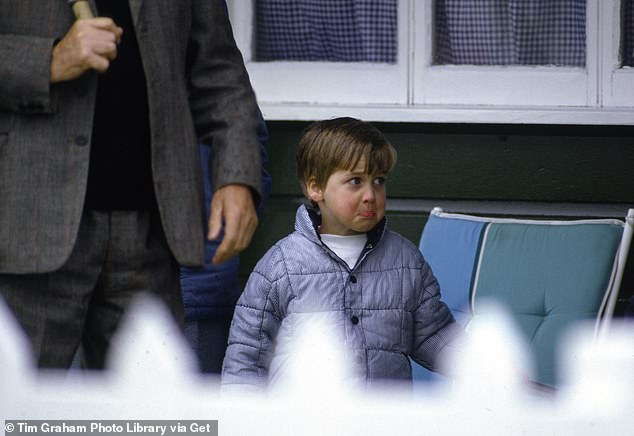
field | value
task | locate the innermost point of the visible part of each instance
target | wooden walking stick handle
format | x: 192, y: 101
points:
x: 81, y: 9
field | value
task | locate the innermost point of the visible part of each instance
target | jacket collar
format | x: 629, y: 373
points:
x: 308, y: 220
x: 135, y: 9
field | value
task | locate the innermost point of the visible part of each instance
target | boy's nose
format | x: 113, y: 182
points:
x: 368, y: 194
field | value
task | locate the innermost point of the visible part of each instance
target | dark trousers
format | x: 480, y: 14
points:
x: 117, y: 256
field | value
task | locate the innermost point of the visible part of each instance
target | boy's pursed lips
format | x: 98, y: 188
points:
x: 367, y: 213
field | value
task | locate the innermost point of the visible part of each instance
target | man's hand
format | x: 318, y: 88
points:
x: 89, y: 44
x: 233, y: 205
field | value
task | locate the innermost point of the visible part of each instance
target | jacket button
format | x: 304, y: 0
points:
x: 353, y: 279
x: 354, y: 319
x: 81, y: 140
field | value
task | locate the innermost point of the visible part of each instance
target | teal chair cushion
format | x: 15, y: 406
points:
x: 549, y: 276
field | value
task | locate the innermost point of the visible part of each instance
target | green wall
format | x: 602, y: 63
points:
x: 528, y: 170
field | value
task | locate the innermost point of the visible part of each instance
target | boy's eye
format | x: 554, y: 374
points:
x: 355, y: 181
x: 379, y: 181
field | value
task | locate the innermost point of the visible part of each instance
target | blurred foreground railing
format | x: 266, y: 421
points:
x: 152, y: 377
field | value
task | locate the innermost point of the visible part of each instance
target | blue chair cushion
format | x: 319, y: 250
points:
x: 450, y: 246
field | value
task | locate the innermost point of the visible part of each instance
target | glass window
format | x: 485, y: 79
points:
x: 510, y: 32
x: 326, y: 30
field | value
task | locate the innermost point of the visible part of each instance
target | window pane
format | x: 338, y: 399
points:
x: 627, y: 34
x: 326, y: 30
x: 510, y: 32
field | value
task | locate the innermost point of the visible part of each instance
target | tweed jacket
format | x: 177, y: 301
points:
x: 198, y: 91
x: 212, y: 291
x: 385, y: 309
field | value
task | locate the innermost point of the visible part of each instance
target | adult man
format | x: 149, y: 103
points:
x: 100, y: 182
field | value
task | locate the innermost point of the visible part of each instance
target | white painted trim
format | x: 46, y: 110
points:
x: 450, y: 114
x: 617, y: 82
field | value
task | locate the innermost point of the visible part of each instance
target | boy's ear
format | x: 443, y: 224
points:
x: 313, y: 190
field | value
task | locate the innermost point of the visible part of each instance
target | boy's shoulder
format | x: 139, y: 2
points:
x: 393, y: 238
x: 291, y: 242
x: 289, y: 247
x: 398, y: 246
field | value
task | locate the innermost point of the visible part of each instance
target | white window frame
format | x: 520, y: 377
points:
x: 499, y: 85
x: 323, y: 83
x: 617, y: 81
x: 414, y: 90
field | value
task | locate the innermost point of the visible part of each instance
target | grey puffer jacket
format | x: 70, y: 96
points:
x: 385, y: 309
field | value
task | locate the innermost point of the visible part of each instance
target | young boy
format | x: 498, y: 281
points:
x: 374, y: 285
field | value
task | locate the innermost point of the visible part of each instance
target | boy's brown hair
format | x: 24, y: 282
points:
x: 338, y: 144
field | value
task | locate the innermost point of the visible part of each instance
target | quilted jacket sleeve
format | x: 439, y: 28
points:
x: 435, y: 330
x: 255, y: 324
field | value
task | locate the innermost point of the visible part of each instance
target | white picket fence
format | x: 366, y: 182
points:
x: 152, y: 376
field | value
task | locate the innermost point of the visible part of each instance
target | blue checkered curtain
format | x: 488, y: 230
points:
x: 510, y: 32
x: 627, y: 33
x: 326, y: 30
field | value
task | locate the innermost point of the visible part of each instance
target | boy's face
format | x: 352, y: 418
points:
x: 352, y: 202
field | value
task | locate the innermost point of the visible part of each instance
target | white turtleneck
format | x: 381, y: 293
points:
x: 346, y: 247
